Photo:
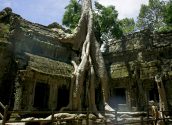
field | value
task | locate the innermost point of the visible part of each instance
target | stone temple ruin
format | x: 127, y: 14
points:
x: 35, y: 69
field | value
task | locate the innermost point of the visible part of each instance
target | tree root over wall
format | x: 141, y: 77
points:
x: 89, y: 65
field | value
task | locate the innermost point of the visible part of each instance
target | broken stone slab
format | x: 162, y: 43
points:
x: 20, y: 123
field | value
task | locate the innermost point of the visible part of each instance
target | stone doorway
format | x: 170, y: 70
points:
x: 153, y: 95
x: 118, y: 96
x: 63, y: 97
x: 41, y: 96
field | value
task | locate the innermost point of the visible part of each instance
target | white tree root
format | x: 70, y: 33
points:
x: 91, y: 65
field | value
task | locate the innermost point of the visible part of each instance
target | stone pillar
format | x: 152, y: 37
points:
x: 130, y: 94
x: 162, y: 95
x: 31, y: 95
x: 142, y: 101
x: 18, y: 92
x: 129, y: 98
x: 52, y: 104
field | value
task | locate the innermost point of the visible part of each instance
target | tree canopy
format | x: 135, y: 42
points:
x: 106, y: 21
x: 168, y: 13
x: 155, y: 16
x: 102, y: 15
x: 127, y: 25
x: 72, y: 14
x: 151, y: 16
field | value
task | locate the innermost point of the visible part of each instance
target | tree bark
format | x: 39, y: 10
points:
x: 89, y: 66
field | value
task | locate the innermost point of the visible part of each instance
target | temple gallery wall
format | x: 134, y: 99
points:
x: 35, y: 68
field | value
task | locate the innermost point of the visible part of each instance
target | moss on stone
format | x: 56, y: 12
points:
x: 4, y: 30
x: 119, y: 71
x: 49, y: 66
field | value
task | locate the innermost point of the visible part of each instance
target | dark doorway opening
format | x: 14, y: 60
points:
x: 41, y: 98
x: 63, y: 97
x: 118, y: 96
x: 153, y: 94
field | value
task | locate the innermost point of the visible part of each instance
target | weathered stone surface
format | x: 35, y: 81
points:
x: 32, y: 52
x: 49, y: 66
x: 119, y: 70
x: 135, y: 60
x: 152, y: 52
x: 39, y: 40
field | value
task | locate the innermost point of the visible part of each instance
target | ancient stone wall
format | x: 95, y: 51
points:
x: 136, y: 59
x: 143, y: 48
x: 30, y: 53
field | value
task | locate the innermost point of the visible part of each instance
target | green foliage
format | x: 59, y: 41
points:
x: 72, y: 14
x: 168, y: 13
x: 151, y: 15
x: 127, y: 25
x: 105, y: 20
x: 166, y: 28
x: 167, y: 18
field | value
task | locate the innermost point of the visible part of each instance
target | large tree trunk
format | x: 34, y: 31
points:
x: 89, y: 67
